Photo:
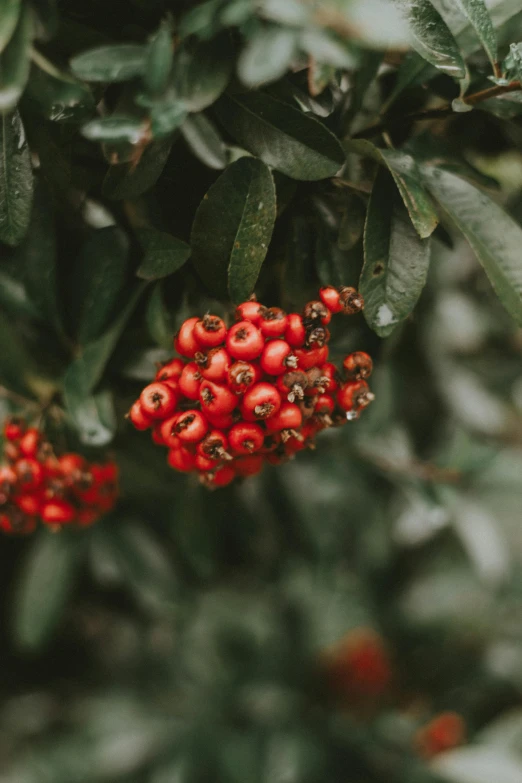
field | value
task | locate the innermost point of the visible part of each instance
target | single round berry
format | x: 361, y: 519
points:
x: 168, y: 432
x: 260, y: 401
x: 30, y: 474
x: 316, y: 313
x: 317, y: 336
x: 222, y: 421
x: 221, y: 477
x: 210, y: 331
x: 72, y: 465
x: 273, y: 322
x: 190, y: 381
x: 277, y: 358
x: 288, y: 417
x: 204, y: 463
x: 14, y: 429
x: 216, y: 399
x: 244, y: 341
x: 292, y: 385
x: 184, y: 342
x: 214, y: 365
x: 8, y: 479
x: 325, y: 404
x: 181, y: 459
x: 191, y: 426
x: 158, y: 400
x: 317, y: 382
x: 170, y: 371
x: 249, y: 466
x: 295, y: 332
x: 351, y: 300
x: 57, y: 512
x: 30, y: 442
x: 214, y: 446
x: 29, y: 503
x: 358, y: 365
x: 354, y: 395
x: 249, y: 311
x: 139, y: 418
x: 246, y: 437
x: 311, y: 357
x: 330, y: 297
x: 241, y: 375
x: 329, y: 371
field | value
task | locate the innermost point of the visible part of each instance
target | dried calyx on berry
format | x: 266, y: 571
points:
x: 255, y: 393
x: 37, y: 485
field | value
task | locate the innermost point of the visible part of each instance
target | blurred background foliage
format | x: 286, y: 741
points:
x: 187, y: 636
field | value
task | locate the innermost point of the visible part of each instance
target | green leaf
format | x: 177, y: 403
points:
x: 478, y: 15
x: 395, y: 261
x: 204, y: 141
x: 159, y: 322
x: 167, y: 114
x: 93, y: 416
x: 115, y: 63
x: 202, y: 72
x: 283, y: 137
x: 160, y: 57
x: 44, y: 587
x: 116, y: 129
x: 491, y: 232
x: 164, y: 254
x: 16, y: 180
x: 325, y: 48
x: 98, y: 277
x: 408, y: 180
x: 127, y: 181
x: 432, y: 38
x: 85, y: 372
x: 58, y: 96
x: 351, y: 226
x: 267, y: 55
x: 9, y: 14
x: 232, y: 229
x: 15, y: 62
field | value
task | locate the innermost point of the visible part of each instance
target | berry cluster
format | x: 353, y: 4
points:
x: 256, y: 392
x: 36, y: 484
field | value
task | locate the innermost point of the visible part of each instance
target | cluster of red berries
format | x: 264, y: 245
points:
x: 36, y: 485
x: 256, y: 392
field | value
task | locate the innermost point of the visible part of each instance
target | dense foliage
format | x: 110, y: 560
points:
x: 352, y: 614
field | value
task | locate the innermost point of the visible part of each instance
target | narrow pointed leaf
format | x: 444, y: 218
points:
x: 15, y: 62
x: 9, y: 14
x: 285, y: 138
x: 115, y: 63
x: 233, y: 227
x: 491, y: 232
x: 204, y: 141
x: 164, y: 254
x: 267, y: 55
x: 478, y: 15
x: 202, y: 73
x: 432, y: 38
x: 395, y: 261
x: 16, y: 180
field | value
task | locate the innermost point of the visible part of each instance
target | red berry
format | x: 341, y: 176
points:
x: 277, y: 358
x: 213, y: 446
x: 317, y: 336
x: 358, y: 365
x: 191, y: 426
x: 14, y: 429
x: 325, y: 404
x: 222, y: 476
x: 221, y: 421
x: 292, y: 385
x: 311, y: 357
x: 249, y: 311
x: 57, y: 512
x: 17, y: 523
x: 359, y: 666
x: 184, y: 342
x: 157, y: 437
x: 158, y: 400
x: 170, y: 371
x: 29, y: 503
x: 168, y: 432
x: 8, y: 479
x: 210, y: 331
x: 246, y: 437
x: 260, y: 401
x: 190, y: 381
x: 330, y: 371
x: 181, y: 459
x: 30, y: 442
x: 87, y: 516
x: 351, y: 300
x: 443, y: 732
x: 214, y: 365
x: 216, y: 399
x: 139, y: 418
x: 241, y: 375
x: 72, y: 464
x: 295, y: 332
x: 317, y: 382
x: 30, y: 474
x: 249, y: 466
x: 316, y: 313
x: 354, y: 395
x: 330, y: 297
x: 273, y: 321
x: 288, y: 417
x: 244, y: 341
x: 204, y: 463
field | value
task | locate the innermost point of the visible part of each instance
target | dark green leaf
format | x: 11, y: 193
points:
x: 17, y: 371
x: 351, y: 226
x: 283, y: 137
x: 160, y: 57
x: 408, y: 180
x: 9, y: 14
x: 15, y: 62
x: 204, y: 141
x: 16, y: 180
x: 115, y: 63
x: 99, y: 275
x: 44, y: 588
x: 202, y: 73
x: 395, y: 261
x: 85, y: 372
x: 432, y: 38
x: 267, y: 55
x: 232, y: 229
x: 58, y: 96
x: 478, y: 15
x: 128, y: 182
x: 167, y: 114
x: 164, y: 254
x: 116, y: 129
x: 160, y: 324
x: 491, y: 232
x: 94, y: 416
